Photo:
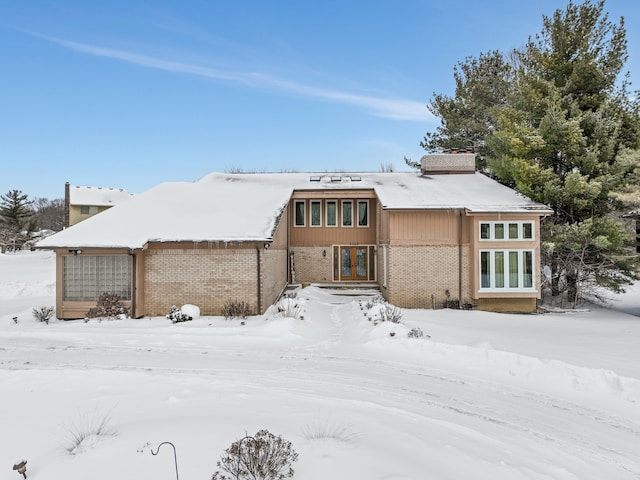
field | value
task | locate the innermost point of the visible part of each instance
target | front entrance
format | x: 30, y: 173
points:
x: 354, y: 263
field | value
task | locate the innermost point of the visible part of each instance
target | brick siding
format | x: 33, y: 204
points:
x: 203, y: 277
x: 311, y: 266
x: 420, y: 275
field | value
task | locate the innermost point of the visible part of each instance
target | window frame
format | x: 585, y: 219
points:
x: 342, y: 218
x: 525, y: 273
x: 311, y: 205
x: 86, y: 277
x: 326, y: 213
x: 295, y: 213
x: 88, y: 209
x: 367, y: 222
x: 492, y: 227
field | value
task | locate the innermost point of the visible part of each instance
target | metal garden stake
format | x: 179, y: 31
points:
x: 175, y: 457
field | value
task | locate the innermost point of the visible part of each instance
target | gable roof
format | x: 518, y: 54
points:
x: 247, y: 206
x: 97, y: 196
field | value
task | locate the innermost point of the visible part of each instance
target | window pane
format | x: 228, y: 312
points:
x: 513, y: 269
x: 299, y: 207
x: 528, y: 269
x: 499, y: 264
x: 485, y: 231
x: 361, y: 262
x: 347, y: 214
x: 315, y: 214
x: 513, y: 231
x: 498, y: 232
x: 346, y: 263
x: 363, y: 214
x: 336, y: 263
x: 332, y: 210
x: 86, y: 277
x: 485, y: 270
x: 527, y: 230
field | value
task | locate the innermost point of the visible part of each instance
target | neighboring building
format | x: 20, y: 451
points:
x: 81, y: 203
x: 447, y: 233
x: 632, y: 223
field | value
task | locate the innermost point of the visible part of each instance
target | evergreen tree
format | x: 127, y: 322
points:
x: 564, y: 132
x: 483, y: 86
x: 17, y: 224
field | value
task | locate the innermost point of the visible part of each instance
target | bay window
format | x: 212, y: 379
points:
x: 506, y: 270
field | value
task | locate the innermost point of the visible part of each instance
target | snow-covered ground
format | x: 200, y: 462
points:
x: 488, y: 396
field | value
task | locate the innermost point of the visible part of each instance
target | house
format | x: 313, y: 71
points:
x: 81, y: 203
x: 446, y: 233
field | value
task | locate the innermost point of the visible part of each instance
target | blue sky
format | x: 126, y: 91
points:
x: 133, y: 93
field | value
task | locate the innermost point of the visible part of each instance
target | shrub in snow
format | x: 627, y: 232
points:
x: 325, y: 431
x: 451, y: 302
x: 236, y: 309
x: 289, y: 308
x: 43, y: 314
x: 86, y: 431
x: 109, y: 306
x: 373, y: 302
x: 384, y: 312
x: 177, y: 315
x: 417, y: 333
x: 261, y: 457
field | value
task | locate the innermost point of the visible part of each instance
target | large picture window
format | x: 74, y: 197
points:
x: 505, y: 270
x: 85, y: 277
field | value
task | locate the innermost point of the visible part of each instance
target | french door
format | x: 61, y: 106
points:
x: 354, y: 263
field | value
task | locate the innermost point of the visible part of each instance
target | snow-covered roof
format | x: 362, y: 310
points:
x: 97, y: 196
x: 246, y: 206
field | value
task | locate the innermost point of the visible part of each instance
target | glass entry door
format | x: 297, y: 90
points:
x: 354, y: 263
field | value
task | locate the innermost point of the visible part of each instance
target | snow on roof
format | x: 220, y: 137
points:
x: 97, y: 196
x: 246, y: 206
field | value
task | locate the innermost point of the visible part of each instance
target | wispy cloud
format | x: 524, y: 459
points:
x: 392, y: 108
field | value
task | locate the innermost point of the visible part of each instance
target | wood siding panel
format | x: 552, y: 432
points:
x: 383, y: 225
x: 314, y: 236
x: 408, y: 227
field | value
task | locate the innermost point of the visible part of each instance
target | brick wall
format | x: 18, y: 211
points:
x: 311, y: 266
x: 274, y: 275
x: 203, y: 277
x: 415, y: 273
